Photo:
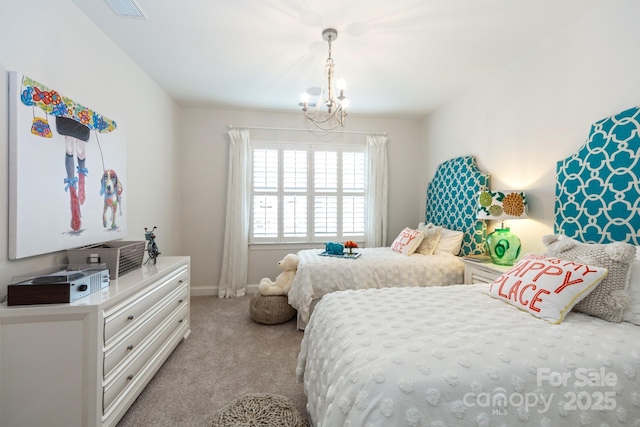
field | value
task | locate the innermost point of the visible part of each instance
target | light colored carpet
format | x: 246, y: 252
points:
x: 226, y: 356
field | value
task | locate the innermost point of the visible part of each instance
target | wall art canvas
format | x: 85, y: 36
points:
x: 67, y: 172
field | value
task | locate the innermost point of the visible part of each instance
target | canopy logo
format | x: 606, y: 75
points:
x: 588, y: 389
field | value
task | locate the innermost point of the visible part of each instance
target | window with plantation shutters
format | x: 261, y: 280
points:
x: 307, y: 192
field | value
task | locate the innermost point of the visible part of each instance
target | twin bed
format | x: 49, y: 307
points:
x: 455, y: 355
x: 451, y: 204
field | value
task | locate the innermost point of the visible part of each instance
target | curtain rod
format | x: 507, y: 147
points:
x: 308, y: 130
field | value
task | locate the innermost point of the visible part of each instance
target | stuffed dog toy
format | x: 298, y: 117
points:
x: 111, y: 190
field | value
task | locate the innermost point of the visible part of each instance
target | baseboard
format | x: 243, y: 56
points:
x: 203, y: 291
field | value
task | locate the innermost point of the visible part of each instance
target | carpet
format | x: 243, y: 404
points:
x: 226, y: 356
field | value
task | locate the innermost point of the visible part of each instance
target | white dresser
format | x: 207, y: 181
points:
x: 84, y: 363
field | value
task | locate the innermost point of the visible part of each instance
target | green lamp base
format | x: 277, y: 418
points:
x: 503, y: 246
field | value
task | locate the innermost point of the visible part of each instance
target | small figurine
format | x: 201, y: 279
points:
x: 152, y: 248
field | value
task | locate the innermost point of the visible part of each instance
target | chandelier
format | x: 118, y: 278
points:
x: 335, y: 105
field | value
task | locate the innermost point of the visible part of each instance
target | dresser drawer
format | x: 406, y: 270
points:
x: 482, y: 277
x: 138, y: 366
x: 125, y: 316
x: 127, y: 345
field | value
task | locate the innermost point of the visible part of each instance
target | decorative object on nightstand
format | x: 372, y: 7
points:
x: 502, y: 245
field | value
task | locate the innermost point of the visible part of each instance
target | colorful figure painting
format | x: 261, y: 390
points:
x: 67, y: 172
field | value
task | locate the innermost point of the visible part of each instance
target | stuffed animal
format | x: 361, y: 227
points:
x: 334, y: 248
x: 289, y: 265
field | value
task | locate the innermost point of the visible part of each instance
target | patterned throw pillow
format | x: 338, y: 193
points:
x: 546, y: 287
x: 632, y: 313
x: 610, y: 298
x: 430, y: 242
x: 450, y: 240
x: 407, y: 241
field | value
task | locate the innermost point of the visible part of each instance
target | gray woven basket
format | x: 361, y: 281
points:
x: 262, y: 409
x: 271, y: 309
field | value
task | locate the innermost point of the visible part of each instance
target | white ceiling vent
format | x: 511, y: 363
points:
x: 127, y: 9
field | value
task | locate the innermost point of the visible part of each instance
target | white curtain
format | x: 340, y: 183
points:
x: 376, y: 222
x: 233, y: 280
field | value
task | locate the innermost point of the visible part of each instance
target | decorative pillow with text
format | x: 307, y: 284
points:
x: 407, y: 241
x: 546, y: 287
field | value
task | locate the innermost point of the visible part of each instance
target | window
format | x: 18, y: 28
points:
x: 307, y: 192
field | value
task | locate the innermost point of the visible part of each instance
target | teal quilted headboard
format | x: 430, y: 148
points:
x: 598, y: 188
x: 452, y: 201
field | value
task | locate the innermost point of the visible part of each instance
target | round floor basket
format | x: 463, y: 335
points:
x: 271, y: 309
x: 262, y: 409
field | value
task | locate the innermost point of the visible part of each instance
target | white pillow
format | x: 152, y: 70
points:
x: 546, y: 287
x: 632, y: 313
x: 450, y: 240
x: 430, y: 241
x: 407, y: 241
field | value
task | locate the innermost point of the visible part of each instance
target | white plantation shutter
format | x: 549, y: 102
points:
x: 265, y: 193
x: 295, y: 189
x: 325, y: 183
x: 294, y: 216
x: 353, y: 216
x: 265, y: 170
x: 325, y: 216
x: 353, y: 172
x: 308, y: 192
x: 353, y: 205
x: 265, y: 216
x: 325, y: 168
x: 295, y: 170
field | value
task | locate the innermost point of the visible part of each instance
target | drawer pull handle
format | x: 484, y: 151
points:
x: 130, y: 377
x: 180, y: 301
x: 180, y: 282
x: 130, y: 347
x: 180, y: 321
x: 130, y: 317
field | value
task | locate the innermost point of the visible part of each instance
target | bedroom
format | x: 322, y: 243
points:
x: 533, y: 111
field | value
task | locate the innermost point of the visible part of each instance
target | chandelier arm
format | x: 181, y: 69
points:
x: 328, y: 118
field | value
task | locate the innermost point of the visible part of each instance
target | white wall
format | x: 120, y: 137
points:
x: 53, y: 42
x: 539, y: 110
x: 205, y: 150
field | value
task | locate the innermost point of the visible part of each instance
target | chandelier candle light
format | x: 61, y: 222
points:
x: 336, y: 105
x: 502, y: 245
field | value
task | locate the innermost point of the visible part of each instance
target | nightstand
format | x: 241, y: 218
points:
x: 482, y: 272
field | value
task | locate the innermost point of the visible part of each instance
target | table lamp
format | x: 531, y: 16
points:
x: 502, y: 245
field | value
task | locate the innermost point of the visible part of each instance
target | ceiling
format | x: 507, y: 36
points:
x: 400, y: 58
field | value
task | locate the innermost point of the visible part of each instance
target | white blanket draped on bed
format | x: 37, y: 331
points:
x: 374, y: 268
x: 452, y: 355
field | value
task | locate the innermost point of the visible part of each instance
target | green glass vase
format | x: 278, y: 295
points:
x: 503, y: 246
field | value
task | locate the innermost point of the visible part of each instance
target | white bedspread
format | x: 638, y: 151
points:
x: 450, y: 356
x: 374, y: 268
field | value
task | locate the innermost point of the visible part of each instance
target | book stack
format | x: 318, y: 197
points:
x: 478, y: 258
